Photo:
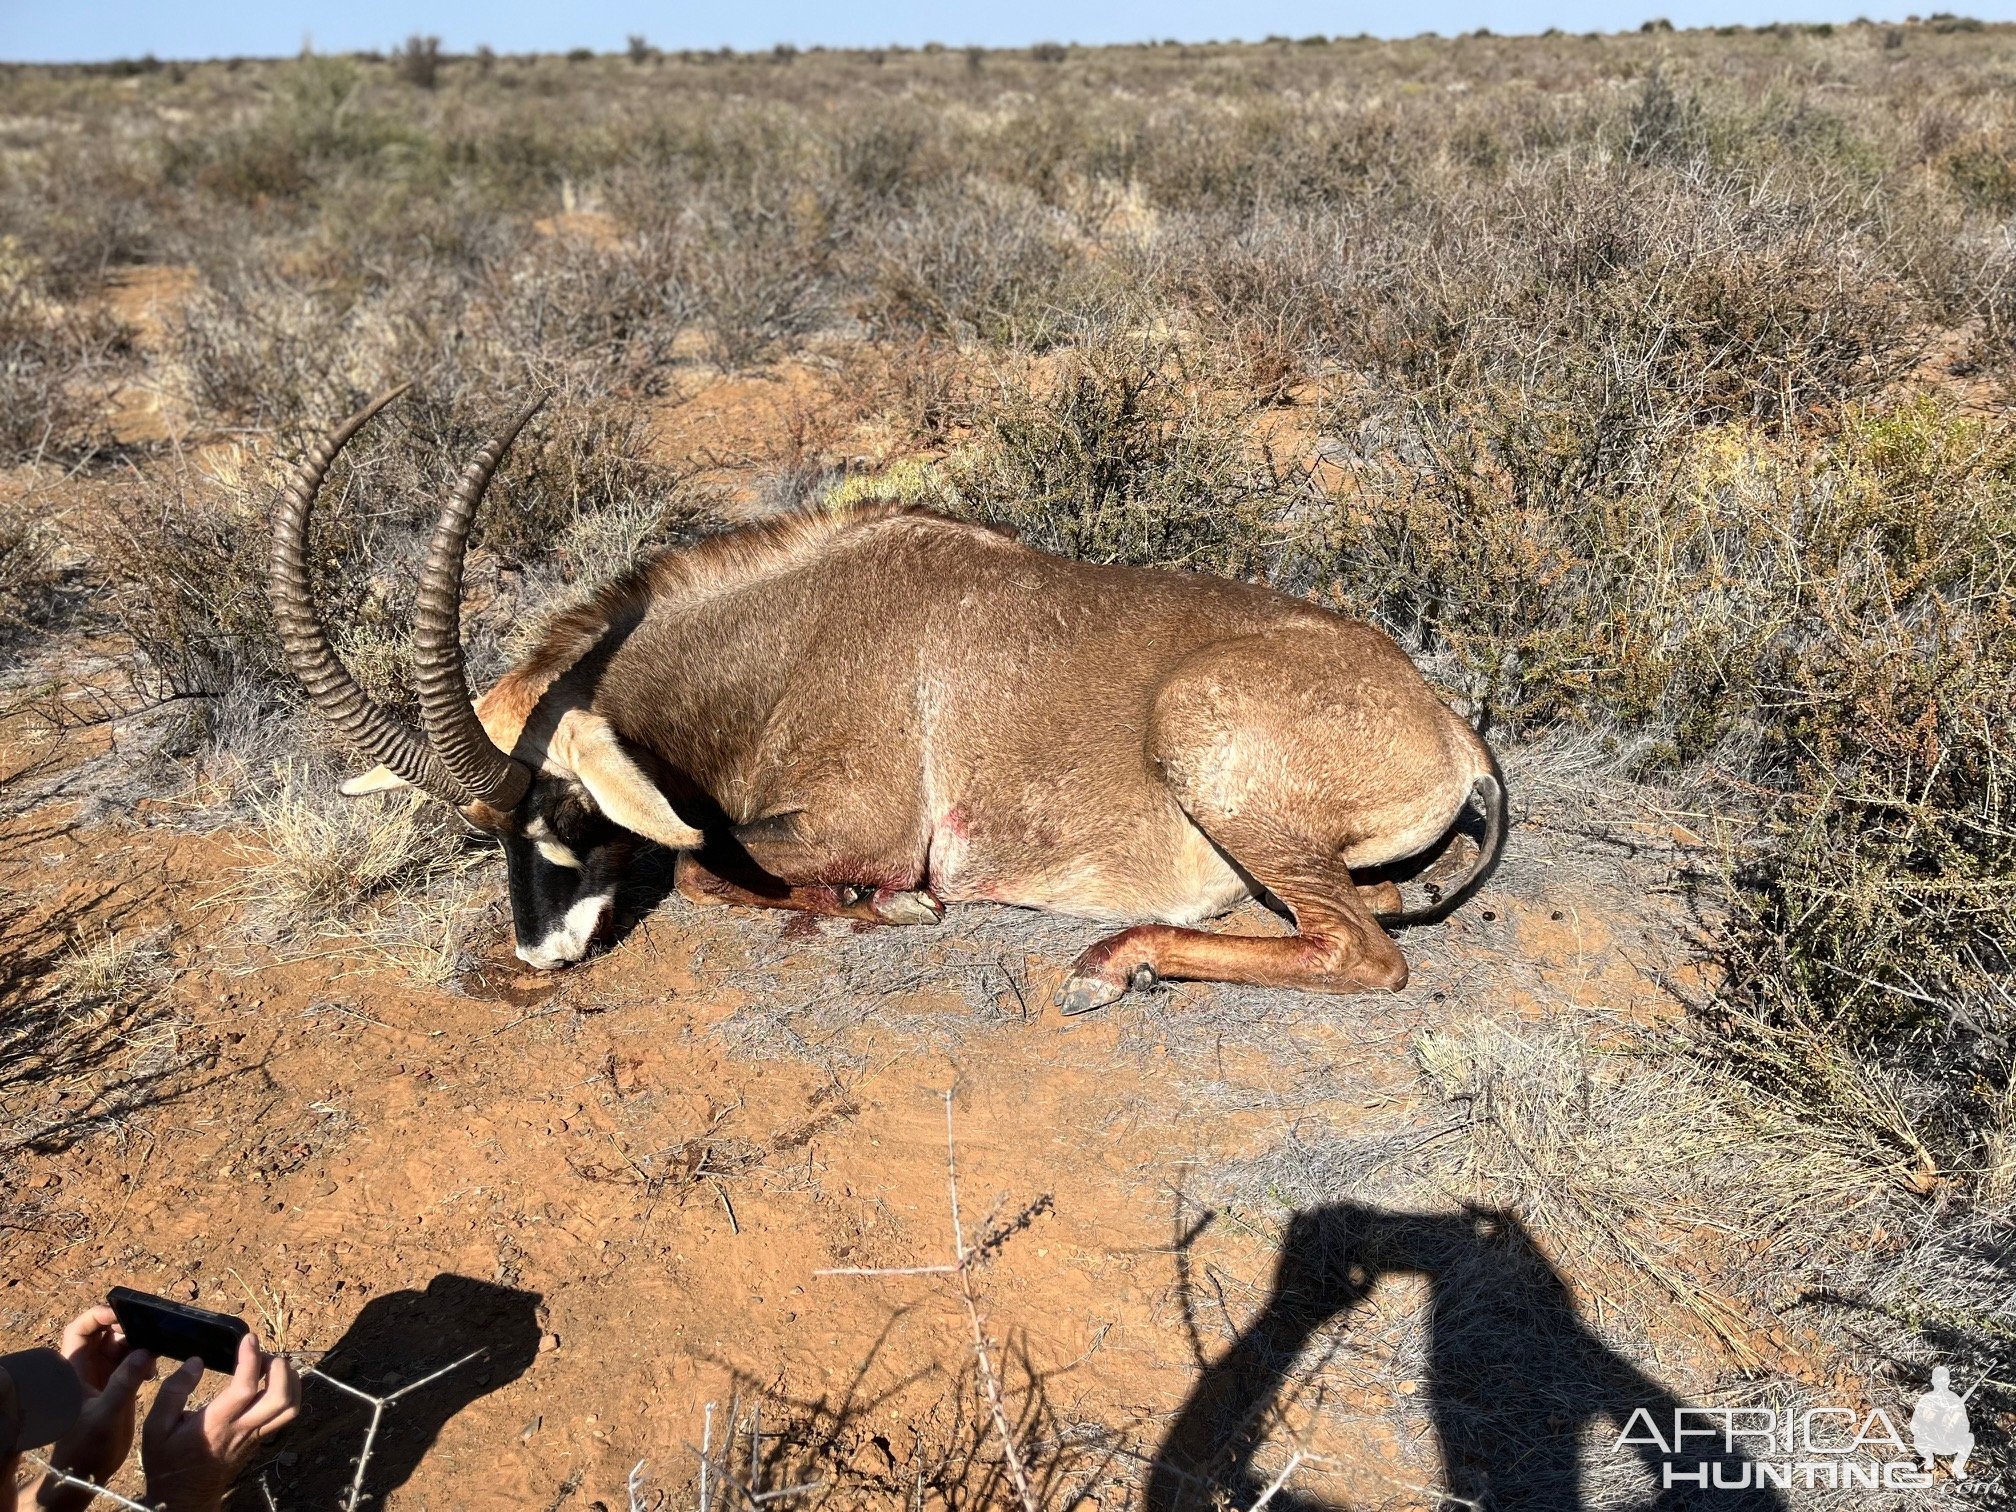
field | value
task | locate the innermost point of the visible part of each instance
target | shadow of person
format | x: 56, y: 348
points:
x: 1514, y: 1380
x: 399, y: 1338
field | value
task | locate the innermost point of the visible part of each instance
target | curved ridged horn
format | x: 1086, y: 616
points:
x: 446, y: 710
x: 331, y: 689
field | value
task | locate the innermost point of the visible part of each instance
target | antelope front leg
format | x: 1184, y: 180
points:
x: 700, y: 882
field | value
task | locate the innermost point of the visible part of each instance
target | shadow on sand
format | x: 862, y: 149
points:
x: 1513, y: 1383
x: 398, y: 1338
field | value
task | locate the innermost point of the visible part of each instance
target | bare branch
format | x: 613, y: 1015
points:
x: 64, y: 1478
x: 988, y: 1381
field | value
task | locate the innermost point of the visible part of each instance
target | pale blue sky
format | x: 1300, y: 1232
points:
x: 64, y: 30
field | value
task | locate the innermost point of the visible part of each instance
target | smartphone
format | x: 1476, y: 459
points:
x: 177, y: 1331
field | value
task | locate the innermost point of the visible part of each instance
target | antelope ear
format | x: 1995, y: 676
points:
x: 588, y: 746
x: 380, y: 779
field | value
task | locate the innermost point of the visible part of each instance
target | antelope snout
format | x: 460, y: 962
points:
x: 568, y: 941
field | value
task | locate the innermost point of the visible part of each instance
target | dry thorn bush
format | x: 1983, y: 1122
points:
x: 53, y: 362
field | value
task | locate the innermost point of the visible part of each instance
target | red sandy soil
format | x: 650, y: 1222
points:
x: 342, y: 1133
x: 659, y: 1198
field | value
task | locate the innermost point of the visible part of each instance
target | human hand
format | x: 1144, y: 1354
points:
x: 112, y: 1372
x: 191, y: 1458
x: 10, y: 1464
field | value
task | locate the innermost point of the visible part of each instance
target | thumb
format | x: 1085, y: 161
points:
x: 173, y: 1397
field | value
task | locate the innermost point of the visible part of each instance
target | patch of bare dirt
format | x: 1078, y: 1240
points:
x: 643, y: 1166
x: 143, y: 410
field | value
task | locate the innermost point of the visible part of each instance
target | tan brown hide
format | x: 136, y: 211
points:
x: 879, y: 712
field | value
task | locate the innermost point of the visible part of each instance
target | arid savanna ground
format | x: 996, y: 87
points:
x: 1653, y: 390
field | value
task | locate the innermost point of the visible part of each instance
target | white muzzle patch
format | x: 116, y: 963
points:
x: 569, y: 942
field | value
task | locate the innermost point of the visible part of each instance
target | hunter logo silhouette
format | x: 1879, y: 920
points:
x: 1939, y: 1423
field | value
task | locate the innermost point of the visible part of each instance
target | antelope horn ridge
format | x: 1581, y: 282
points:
x: 331, y: 689
x: 447, y: 711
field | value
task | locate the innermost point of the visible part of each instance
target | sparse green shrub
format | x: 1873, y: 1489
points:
x: 926, y: 389
x: 187, y: 577
x: 1983, y: 169
x: 1666, y: 125
x: 757, y: 271
x: 315, y: 125
x: 608, y: 314
x: 1870, y: 940
x: 882, y: 158
x: 1830, y: 627
x: 80, y: 209
x: 1109, y: 452
x: 573, y: 463
x: 272, y: 351
x: 1261, y: 291
x: 1567, y: 328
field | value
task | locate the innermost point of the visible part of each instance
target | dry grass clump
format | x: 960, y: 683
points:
x: 85, y: 1036
x: 1623, y: 1145
x: 1614, y: 1188
x: 393, y: 873
x: 106, y: 965
x: 27, y: 574
x: 1666, y: 1188
x: 329, y: 860
x: 49, y: 357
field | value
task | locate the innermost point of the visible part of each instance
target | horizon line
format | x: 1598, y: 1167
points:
x: 1654, y: 26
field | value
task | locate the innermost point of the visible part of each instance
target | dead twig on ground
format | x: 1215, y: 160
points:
x: 983, y: 1357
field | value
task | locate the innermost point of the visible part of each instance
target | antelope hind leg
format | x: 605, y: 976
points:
x: 1291, y: 751
x: 1191, y: 954
x: 1338, y: 945
x: 1382, y: 899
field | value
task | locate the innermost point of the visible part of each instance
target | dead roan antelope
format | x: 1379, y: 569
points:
x: 875, y: 713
